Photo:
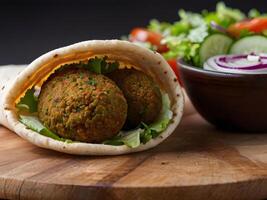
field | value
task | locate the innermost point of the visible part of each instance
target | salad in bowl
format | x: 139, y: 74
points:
x: 197, y: 37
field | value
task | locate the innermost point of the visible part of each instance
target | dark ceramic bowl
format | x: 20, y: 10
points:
x: 229, y: 101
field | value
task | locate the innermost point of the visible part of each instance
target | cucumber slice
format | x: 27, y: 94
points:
x: 216, y: 44
x: 251, y: 44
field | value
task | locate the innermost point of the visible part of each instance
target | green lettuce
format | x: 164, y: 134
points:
x: 153, y: 130
x: 185, y: 36
x: 129, y: 138
x: 254, y: 13
x: 28, y: 102
x: 225, y: 12
x: 159, y: 27
x: 197, y: 35
x: 164, y: 117
x: 193, y: 19
x: 224, y: 16
x: 34, y: 124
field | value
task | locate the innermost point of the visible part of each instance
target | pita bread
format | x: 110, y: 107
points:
x: 127, y: 53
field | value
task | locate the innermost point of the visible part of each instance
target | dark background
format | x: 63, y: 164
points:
x: 30, y: 28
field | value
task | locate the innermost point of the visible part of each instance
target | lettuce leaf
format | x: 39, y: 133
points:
x: 28, y: 102
x: 185, y: 36
x: 131, y: 139
x: 224, y: 16
x: 153, y: 130
x: 254, y: 13
x: 225, y: 12
x: 159, y: 27
x: 164, y: 117
x: 34, y: 124
x: 194, y: 19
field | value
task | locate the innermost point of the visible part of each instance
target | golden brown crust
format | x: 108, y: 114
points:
x: 142, y: 94
x: 82, y: 106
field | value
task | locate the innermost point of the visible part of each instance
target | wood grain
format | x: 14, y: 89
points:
x: 196, y: 162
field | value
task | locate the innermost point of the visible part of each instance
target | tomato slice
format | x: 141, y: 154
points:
x: 256, y: 25
x: 144, y: 35
x: 162, y: 48
x: 173, y: 64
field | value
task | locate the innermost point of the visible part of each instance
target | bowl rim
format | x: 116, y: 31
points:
x: 187, y: 66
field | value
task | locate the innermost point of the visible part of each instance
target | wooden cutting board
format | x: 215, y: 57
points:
x: 197, y: 162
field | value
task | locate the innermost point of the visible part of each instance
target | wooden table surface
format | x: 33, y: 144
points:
x: 196, y: 162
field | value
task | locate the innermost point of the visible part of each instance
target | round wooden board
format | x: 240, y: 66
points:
x: 196, y: 162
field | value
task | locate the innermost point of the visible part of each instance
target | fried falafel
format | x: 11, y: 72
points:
x: 142, y: 94
x: 82, y: 106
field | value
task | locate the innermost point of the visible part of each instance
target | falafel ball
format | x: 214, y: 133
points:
x: 142, y: 94
x: 82, y: 106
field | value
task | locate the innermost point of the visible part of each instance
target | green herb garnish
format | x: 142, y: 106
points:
x: 92, y: 81
x: 101, y: 66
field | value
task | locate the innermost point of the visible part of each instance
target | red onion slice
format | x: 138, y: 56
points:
x: 238, y: 64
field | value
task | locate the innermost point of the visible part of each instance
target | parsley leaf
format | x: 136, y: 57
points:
x: 101, y: 66
x: 92, y: 81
